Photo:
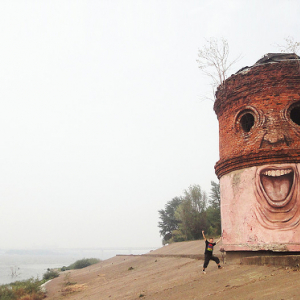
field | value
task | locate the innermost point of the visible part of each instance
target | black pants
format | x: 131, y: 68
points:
x: 209, y: 257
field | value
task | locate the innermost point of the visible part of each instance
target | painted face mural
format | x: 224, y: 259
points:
x: 259, y: 166
x: 276, y: 185
x: 274, y: 130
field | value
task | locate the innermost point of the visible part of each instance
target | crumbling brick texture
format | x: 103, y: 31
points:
x: 259, y: 117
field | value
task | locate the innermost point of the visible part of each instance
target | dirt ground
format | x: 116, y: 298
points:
x: 176, y: 278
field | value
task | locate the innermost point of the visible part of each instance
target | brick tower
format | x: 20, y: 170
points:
x: 258, y: 110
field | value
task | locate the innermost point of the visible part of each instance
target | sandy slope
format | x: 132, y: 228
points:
x: 161, y: 278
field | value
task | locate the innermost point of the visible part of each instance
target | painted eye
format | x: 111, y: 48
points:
x: 247, y: 121
x: 295, y: 113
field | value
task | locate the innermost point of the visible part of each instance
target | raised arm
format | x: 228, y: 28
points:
x: 219, y: 240
x: 203, y: 234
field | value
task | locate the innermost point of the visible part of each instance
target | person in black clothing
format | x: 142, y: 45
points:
x: 209, y: 247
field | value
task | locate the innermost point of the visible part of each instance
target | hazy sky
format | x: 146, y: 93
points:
x: 101, y: 112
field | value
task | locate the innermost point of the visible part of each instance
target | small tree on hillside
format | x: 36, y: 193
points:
x: 168, y: 222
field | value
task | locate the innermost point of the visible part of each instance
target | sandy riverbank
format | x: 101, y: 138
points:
x: 161, y: 278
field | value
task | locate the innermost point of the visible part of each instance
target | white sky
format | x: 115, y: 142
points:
x: 101, y: 117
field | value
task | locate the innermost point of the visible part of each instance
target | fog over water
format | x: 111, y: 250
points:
x: 101, y: 117
x: 16, y: 265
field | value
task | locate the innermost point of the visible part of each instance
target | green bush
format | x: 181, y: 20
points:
x: 50, y: 274
x: 29, y: 289
x: 83, y: 263
x: 7, y: 293
x: 64, y: 268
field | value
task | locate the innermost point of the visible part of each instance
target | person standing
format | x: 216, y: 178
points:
x: 208, y: 254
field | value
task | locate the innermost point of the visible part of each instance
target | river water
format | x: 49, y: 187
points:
x: 17, y: 265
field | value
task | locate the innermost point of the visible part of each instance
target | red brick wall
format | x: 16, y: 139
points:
x: 268, y: 92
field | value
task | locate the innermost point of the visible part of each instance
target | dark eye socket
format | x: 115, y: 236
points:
x: 247, y: 121
x: 295, y: 114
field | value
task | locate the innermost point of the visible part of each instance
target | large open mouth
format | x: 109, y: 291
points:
x: 277, y: 184
x: 277, y: 196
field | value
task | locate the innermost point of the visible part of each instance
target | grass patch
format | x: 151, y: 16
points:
x: 50, y: 274
x: 70, y: 289
x: 31, y: 289
x: 22, y: 290
x: 80, y: 264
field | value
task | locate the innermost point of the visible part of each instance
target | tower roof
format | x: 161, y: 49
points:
x: 271, y: 58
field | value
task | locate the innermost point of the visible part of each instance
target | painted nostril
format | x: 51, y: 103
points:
x: 274, y: 137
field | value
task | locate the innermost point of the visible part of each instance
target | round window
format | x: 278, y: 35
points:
x: 247, y: 121
x: 295, y: 113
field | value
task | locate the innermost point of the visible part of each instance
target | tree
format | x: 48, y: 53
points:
x: 213, y: 210
x: 214, y: 197
x: 168, y: 221
x: 291, y: 46
x: 213, y: 61
x: 197, y: 197
x: 186, y: 216
x: 191, y: 214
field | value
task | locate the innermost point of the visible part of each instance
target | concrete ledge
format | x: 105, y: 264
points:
x: 192, y: 256
x: 236, y: 257
x: 246, y: 258
x: 275, y: 260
